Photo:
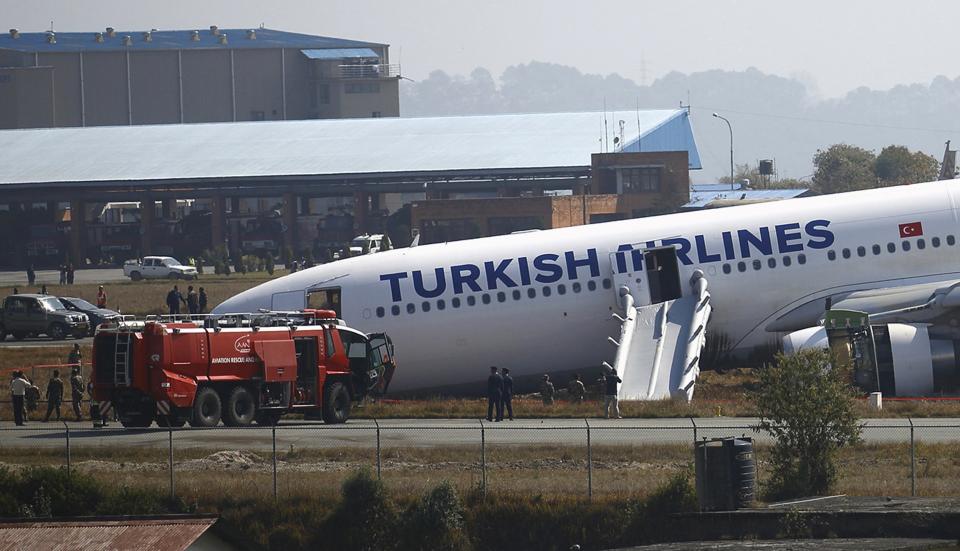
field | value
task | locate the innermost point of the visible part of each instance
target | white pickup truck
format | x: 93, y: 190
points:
x: 158, y: 267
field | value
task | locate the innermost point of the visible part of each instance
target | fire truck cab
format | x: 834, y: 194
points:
x: 238, y: 369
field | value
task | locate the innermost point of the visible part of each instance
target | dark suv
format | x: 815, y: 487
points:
x: 27, y: 315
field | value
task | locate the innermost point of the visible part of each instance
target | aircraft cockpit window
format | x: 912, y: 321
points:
x: 325, y: 299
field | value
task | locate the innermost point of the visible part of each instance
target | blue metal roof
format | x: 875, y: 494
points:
x: 703, y: 198
x: 671, y: 134
x: 339, y: 53
x: 173, y: 40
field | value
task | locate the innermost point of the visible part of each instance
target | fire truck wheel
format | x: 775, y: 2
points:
x: 174, y: 421
x: 137, y: 421
x: 240, y: 409
x: 267, y: 419
x: 336, y: 404
x: 206, y: 408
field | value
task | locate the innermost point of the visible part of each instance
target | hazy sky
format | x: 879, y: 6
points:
x: 832, y: 45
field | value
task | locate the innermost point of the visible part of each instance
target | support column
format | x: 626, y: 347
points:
x: 78, y: 230
x: 361, y: 209
x: 169, y: 209
x: 217, y: 204
x: 290, y: 223
x: 147, y: 208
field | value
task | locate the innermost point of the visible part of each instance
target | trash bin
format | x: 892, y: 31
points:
x: 726, y: 473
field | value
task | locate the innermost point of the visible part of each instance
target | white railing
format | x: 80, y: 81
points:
x: 368, y: 71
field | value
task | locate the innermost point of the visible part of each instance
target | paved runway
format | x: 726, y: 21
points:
x: 41, y: 342
x: 453, y: 432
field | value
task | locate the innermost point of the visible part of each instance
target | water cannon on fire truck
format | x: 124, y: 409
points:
x: 237, y: 368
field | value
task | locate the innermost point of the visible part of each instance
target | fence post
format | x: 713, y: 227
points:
x: 379, y: 475
x: 694, y: 423
x: 273, y: 431
x: 170, y: 458
x: 589, y: 462
x: 913, y: 462
x: 483, y: 459
x: 69, y: 477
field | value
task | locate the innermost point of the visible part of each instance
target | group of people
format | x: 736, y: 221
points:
x: 196, y: 301
x: 500, y: 392
x: 66, y: 276
x: 26, y: 395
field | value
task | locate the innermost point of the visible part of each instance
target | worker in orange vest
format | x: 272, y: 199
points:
x: 101, y: 298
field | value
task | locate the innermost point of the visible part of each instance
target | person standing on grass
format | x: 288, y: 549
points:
x: 507, y: 396
x: 54, y: 395
x: 31, y: 398
x: 70, y: 273
x: 494, y: 394
x: 202, y: 300
x: 76, y: 388
x: 547, y: 391
x: 193, y: 301
x: 576, y: 389
x: 18, y: 389
x: 101, y: 297
x: 63, y: 274
x: 174, y: 298
x: 611, y: 403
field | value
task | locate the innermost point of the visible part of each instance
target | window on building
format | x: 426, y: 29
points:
x: 642, y: 179
x: 502, y: 225
x: 323, y: 93
x: 439, y: 231
x: 361, y: 88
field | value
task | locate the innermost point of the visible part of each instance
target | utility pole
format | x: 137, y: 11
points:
x: 730, y: 128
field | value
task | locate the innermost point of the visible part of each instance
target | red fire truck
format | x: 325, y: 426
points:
x: 238, y: 368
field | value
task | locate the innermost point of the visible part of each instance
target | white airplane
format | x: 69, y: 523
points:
x: 543, y: 301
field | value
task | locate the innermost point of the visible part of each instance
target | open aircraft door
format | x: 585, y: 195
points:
x: 657, y: 279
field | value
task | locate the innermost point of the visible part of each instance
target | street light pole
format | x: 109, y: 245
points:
x: 730, y: 128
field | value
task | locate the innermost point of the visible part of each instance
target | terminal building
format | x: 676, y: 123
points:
x: 111, y: 193
x: 113, y: 77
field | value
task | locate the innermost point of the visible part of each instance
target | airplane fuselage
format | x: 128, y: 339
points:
x: 543, y: 301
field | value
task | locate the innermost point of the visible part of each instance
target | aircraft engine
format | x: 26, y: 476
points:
x: 897, y: 359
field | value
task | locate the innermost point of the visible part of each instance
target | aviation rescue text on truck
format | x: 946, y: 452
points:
x: 237, y: 368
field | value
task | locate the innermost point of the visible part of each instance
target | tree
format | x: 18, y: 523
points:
x: 807, y: 406
x: 843, y: 167
x: 897, y: 165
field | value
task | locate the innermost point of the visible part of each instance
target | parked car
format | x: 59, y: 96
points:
x: 27, y: 315
x: 158, y: 267
x: 96, y: 315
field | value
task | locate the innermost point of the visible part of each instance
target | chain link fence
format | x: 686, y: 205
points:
x: 575, y: 457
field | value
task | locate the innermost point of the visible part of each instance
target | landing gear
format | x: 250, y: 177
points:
x: 336, y: 404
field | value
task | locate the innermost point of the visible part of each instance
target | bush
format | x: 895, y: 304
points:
x: 808, y: 407
x: 435, y: 522
x: 269, y: 263
x: 365, y: 519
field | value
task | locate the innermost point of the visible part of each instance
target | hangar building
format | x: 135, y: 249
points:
x: 111, y: 193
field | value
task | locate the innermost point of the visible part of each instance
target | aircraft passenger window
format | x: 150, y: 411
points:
x: 905, y: 245
x: 576, y: 286
x: 561, y: 289
x: 935, y: 241
x: 741, y: 267
x: 606, y: 283
x: 455, y: 301
x: 757, y: 265
x: 425, y: 306
x: 471, y: 300
x: 411, y: 308
x: 546, y: 290
x: 772, y: 262
x: 726, y: 268
x: 501, y: 297
x: 801, y: 258
x: 441, y: 304
x: 592, y: 285
x: 485, y: 298
x: 861, y: 251
x: 516, y: 294
x: 876, y: 249
x: 531, y: 292
x: 831, y: 255
x: 395, y: 310
x: 951, y: 240
x: 846, y: 253
x: 380, y: 311
x: 921, y: 244
x: 786, y: 260
x: 891, y: 248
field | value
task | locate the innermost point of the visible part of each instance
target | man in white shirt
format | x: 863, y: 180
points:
x: 18, y: 388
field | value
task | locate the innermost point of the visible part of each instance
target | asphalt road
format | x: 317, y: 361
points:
x: 52, y: 277
x: 41, y: 342
x: 444, y: 432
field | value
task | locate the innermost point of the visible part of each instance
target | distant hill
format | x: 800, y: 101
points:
x: 772, y: 116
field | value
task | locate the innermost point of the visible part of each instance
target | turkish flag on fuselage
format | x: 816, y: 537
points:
x: 913, y: 229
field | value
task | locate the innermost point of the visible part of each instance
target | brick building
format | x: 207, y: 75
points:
x: 188, y: 76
